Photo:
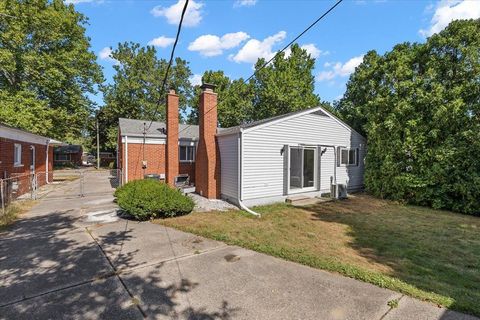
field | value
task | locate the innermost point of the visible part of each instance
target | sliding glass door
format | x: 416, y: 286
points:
x: 302, y: 168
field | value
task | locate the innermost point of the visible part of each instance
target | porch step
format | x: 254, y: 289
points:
x: 300, y: 201
x: 294, y: 199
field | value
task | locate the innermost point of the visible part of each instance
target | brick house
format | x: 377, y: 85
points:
x: 306, y: 152
x: 68, y: 155
x: 23, y: 153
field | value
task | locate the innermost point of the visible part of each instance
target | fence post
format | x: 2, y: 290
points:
x: 2, y: 196
x: 82, y: 181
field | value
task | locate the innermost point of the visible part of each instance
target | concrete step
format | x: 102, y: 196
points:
x: 296, y: 198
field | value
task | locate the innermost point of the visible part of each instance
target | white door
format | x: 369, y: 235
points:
x: 302, y: 169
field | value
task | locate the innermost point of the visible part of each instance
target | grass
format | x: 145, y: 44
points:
x: 13, y: 211
x: 424, y: 253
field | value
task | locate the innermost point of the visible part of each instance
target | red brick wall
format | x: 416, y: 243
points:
x: 156, y: 161
x: 188, y: 168
x: 8, y: 169
x: 154, y: 155
x: 172, y: 138
x: 207, y: 166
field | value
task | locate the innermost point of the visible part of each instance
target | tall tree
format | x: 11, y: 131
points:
x: 285, y: 85
x: 46, y: 68
x: 419, y: 106
x: 235, y: 99
x: 136, y: 90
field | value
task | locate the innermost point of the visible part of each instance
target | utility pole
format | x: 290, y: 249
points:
x: 98, y: 144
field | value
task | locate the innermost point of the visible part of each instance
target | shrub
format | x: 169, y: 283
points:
x: 145, y: 199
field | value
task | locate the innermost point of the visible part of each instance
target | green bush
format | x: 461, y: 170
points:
x: 145, y: 199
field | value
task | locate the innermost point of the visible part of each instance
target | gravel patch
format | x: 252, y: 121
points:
x: 203, y: 204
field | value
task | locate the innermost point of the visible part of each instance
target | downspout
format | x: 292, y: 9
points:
x: 126, y: 159
x: 240, y: 171
x: 46, y: 163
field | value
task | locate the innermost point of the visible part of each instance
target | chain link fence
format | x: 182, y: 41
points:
x: 59, y: 184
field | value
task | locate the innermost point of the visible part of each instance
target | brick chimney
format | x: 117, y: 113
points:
x: 207, y: 162
x: 172, y: 138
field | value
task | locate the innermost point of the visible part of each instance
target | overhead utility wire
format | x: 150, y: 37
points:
x: 287, y: 46
x: 169, y: 63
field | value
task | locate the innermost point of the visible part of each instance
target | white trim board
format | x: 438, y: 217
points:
x: 139, y: 140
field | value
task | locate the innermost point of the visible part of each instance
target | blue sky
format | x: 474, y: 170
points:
x: 230, y: 35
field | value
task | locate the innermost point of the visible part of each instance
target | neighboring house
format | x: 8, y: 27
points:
x: 303, y: 152
x: 106, y: 158
x: 23, y: 153
x: 68, y: 155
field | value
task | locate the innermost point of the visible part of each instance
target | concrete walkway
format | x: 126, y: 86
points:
x: 58, y: 263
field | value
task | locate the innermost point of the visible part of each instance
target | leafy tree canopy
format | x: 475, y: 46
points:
x: 46, y: 68
x: 283, y: 86
x: 136, y: 91
x: 419, y: 106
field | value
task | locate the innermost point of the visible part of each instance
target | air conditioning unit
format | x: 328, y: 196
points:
x: 338, y: 191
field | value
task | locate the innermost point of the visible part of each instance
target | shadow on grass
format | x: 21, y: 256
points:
x: 49, y: 268
x: 432, y: 250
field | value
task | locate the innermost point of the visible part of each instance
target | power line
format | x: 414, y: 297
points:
x: 284, y: 48
x: 170, y: 62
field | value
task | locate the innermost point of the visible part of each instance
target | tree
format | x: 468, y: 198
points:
x: 285, y: 85
x: 136, y: 91
x: 419, y: 106
x: 46, y: 68
x: 234, y: 99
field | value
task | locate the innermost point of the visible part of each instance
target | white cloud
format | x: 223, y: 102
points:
x: 449, y: 10
x: 83, y: 1
x: 196, y: 79
x: 106, y: 54
x: 210, y: 45
x: 161, y: 42
x: 255, y: 49
x: 339, y: 69
x: 311, y: 49
x: 192, y: 17
x: 244, y: 3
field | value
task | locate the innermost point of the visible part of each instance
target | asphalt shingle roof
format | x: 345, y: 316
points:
x: 131, y: 127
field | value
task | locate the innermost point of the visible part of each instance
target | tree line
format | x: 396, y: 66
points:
x: 419, y: 107
x: 417, y: 104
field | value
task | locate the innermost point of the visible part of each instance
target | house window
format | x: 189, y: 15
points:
x: 187, y: 153
x: 61, y: 157
x: 17, y: 154
x: 348, y: 157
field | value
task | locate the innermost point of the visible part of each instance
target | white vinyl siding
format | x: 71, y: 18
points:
x: 263, y: 162
x: 228, y: 147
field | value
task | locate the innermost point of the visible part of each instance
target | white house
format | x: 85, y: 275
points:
x: 297, y: 153
x: 303, y: 152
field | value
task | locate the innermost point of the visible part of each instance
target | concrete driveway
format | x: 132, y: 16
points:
x: 59, y: 263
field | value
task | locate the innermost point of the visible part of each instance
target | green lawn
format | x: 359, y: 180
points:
x: 429, y: 254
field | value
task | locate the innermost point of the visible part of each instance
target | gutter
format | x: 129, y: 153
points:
x: 46, y: 162
x: 240, y: 177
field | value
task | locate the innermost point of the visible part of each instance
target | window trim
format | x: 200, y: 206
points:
x: 17, y: 155
x: 186, y: 153
x: 348, y: 164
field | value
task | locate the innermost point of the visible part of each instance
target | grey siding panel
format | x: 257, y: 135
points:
x: 263, y: 163
x: 228, y: 146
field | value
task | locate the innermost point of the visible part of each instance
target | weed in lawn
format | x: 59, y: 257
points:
x: 13, y: 211
x: 393, y: 303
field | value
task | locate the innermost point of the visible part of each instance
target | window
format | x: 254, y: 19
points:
x: 61, y: 157
x: 17, y: 154
x: 187, y: 153
x: 348, y: 157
